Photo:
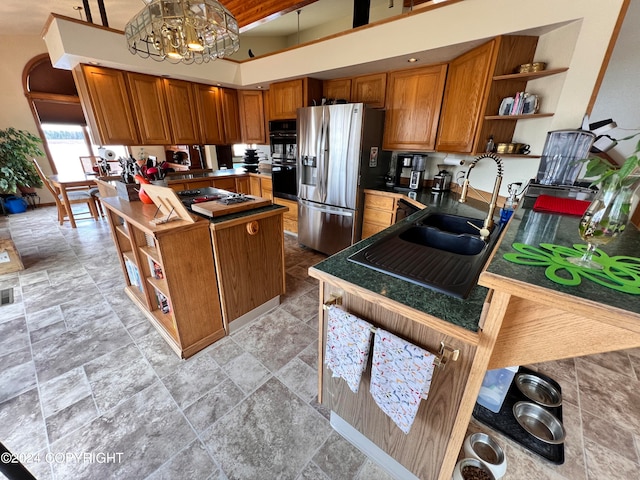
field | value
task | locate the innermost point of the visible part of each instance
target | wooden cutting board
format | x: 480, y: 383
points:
x: 216, y: 209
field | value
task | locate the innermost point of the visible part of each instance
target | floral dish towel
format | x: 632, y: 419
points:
x: 400, y: 377
x: 348, y: 344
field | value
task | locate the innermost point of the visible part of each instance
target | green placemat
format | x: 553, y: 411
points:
x: 619, y: 273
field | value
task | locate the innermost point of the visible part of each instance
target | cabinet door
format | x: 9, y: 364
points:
x: 251, y: 106
x: 230, y: 116
x: 147, y: 95
x: 413, y: 108
x: 266, y: 187
x: 182, y: 112
x: 370, y: 89
x: 243, y: 185
x: 209, y: 114
x: 228, y: 184
x: 254, y: 186
x: 337, y: 89
x: 105, y: 102
x: 286, y: 98
x: 464, y: 99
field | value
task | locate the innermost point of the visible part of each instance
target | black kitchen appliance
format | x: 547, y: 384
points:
x: 402, y: 168
x: 284, y: 148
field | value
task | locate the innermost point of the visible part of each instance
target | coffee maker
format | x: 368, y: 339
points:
x: 418, y: 166
x: 403, y: 168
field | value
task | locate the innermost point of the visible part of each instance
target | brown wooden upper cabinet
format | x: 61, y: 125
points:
x: 414, y: 98
x: 106, y: 106
x: 230, y: 116
x: 471, y: 94
x: 369, y: 89
x: 150, y: 108
x: 251, y: 109
x: 209, y: 109
x: 286, y: 97
x: 183, y: 116
x: 339, y: 88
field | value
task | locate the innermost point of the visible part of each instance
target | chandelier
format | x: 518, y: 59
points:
x: 188, y: 31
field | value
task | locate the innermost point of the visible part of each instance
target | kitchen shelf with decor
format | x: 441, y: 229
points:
x: 162, y: 263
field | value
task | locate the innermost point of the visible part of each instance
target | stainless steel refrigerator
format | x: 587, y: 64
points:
x: 339, y: 155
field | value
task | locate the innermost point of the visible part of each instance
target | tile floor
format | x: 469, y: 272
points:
x: 90, y: 387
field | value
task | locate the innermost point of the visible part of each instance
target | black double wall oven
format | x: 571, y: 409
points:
x: 284, y: 149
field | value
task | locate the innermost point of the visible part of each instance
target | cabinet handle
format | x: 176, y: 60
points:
x: 253, y: 228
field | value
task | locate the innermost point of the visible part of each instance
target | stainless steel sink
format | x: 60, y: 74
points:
x: 438, y: 251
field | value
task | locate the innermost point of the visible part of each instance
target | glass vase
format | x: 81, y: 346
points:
x: 605, y: 218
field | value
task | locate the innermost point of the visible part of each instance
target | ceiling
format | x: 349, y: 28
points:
x: 21, y: 17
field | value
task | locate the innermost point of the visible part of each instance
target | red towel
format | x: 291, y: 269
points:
x: 570, y: 206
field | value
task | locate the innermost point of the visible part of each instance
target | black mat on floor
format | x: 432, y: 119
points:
x: 505, y: 423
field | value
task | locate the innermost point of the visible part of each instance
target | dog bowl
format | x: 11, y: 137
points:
x: 538, y: 390
x: 472, y: 469
x: 539, y: 422
x: 484, y: 448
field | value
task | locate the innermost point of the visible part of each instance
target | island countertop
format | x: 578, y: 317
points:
x: 464, y: 313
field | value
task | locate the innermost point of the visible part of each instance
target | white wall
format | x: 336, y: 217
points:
x: 619, y: 96
x: 15, y: 52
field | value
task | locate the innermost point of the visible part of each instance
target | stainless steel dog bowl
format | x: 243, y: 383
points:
x: 538, y: 390
x: 539, y: 422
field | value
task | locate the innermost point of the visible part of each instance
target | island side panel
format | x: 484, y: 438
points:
x: 422, y: 451
x: 249, y: 258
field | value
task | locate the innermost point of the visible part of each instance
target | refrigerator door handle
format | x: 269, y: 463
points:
x: 325, y: 208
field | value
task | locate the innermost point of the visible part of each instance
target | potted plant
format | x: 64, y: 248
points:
x: 17, y: 147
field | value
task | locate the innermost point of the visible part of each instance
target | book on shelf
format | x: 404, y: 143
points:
x: 163, y: 302
x: 155, y: 269
x: 133, y: 273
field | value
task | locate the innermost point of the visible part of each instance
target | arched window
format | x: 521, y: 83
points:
x: 54, y: 102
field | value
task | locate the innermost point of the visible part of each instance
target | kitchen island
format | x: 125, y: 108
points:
x: 186, y: 275
x: 514, y: 316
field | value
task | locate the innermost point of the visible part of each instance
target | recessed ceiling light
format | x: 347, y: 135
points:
x: 259, y: 87
x: 412, y: 60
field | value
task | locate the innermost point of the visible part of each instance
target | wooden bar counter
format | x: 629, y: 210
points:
x: 515, y: 316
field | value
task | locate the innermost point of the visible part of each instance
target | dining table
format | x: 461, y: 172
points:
x: 69, y: 182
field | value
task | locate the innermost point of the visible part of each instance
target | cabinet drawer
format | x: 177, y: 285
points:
x: 225, y: 184
x: 178, y: 186
x: 380, y: 202
x: 290, y: 225
x: 369, y: 229
x: 199, y: 184
x: 378, y: 217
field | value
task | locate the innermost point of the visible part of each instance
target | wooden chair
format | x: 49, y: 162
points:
x: 75, y: 197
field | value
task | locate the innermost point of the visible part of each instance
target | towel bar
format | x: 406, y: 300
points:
x: 445, y: 353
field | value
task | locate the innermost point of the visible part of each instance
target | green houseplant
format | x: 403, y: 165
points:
x: 17, y: 147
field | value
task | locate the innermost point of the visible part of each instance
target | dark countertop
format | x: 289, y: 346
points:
x: 526, y: 226
x: 533, y: 228
x: 181, y: 177
x: 464, y: 313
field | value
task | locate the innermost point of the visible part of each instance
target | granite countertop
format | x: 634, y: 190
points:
x: 532, y: 228
x: 215, y: 174
x: 461, y: 312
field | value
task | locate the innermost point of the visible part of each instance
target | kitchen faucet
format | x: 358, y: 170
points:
x: 488, y: 221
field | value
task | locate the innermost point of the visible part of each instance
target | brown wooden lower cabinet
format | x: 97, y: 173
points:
x: 423, y: 450
x: 379, y: 212
x: 249, y: 257
x: 291, y: 217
